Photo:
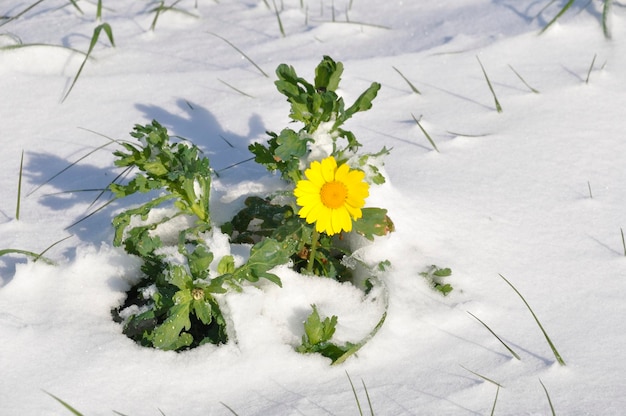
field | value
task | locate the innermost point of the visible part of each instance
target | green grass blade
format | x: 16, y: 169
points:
x: 367, y: 395
x: 356, y: 397
x: 498, y: 106
x: 241, y: 52
x: 432, y: 143
x: 235, y: 89
x: 493, y: 409
x: 27, y: 253
x: 623, y: 240
x: 593, y: 61
x: 415, y: 90
x: 28, y: 45
x: 548, y: 396
x: 497, y: 337
x: 67, y: 406
x: 20, y: 14
x: 559, y: 14
x: 99, y: 11
x: 70, y: 165
x: 558, y: 357
x: 524, y: 81
x: 605, y: 18
x: 94, y: 39
x: 483, y: 377
x: 228, y: 407
x: 19, y: 188
x: 280, y: 22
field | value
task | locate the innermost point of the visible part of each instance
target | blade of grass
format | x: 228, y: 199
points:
x: 493, y: 409
x: 524, y: 81
x: 235, y: 89
x: 498, y: 106
x: 94, y: 39
x: 369, y: 402
x: 558, y: 357
x: 605, y: 18
x: 27, y: 45
x: 623, y: 241
x: 593, y: 61
x: 100, y: 208
x: 27, y: 253
x: 241, y: 52
x: 415, y: 90
x: 589, y: 187
x: 432, y: 143
x: 280, y: 23
x: 559, y: 14
x: 548, y: 396
x: 20, y: 14
x: 70, y: 165
x: 483, y: 377
x: 67, y: 406
x: 356, y: 397
x: 19, y: 188
x: 497, y: 337
x: 228, y: 407
x: 99, y: 11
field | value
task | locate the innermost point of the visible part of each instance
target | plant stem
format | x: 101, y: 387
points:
x: 315, y: 237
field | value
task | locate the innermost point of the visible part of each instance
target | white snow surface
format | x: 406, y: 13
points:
x: 536, y: 193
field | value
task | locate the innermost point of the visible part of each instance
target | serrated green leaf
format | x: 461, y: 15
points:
x: 202, y: 309
x: 166, y: 336
x: 199, y: 261
x: 328, y: 74
x: 226, y: 265
x: 373, y: 222
x: 290, y: 145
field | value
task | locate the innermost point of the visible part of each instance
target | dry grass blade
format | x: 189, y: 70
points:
x: 241, y: 52
x: 497, y: 337
x: 94, y: 40
x: 356, y: 397
x: 623, y: 241
x: 558, y: 357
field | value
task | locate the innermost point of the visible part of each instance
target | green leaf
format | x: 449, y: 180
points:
x: 199, y: 261
x: 328, y: 74
x: 317, y: 331
x: 290, y: 145
x: 167, y: 336
x: 226, y: 265
x: 363, y: 103
x: 373, y: 222
x: 202, y: 309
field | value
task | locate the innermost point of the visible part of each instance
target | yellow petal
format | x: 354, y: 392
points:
x: 329, y: 165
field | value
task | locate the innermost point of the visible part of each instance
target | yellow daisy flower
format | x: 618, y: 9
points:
x: 331, y: 196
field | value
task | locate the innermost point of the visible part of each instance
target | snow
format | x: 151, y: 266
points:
x: 535, y: 193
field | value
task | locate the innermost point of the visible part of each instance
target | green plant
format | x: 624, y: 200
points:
x: 177, y: 296
x: 493, y: 93
x: 606, y: 7
x: 435, y: 275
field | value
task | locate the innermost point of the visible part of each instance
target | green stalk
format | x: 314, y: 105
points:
x: 498, y: 106
x: 315, y: 238
x: 432, y: 143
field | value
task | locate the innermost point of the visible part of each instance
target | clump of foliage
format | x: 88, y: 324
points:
x: 176, y: 305
x: 435, y: 277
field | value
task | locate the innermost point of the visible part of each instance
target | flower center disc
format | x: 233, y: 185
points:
x: 334, y: 194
